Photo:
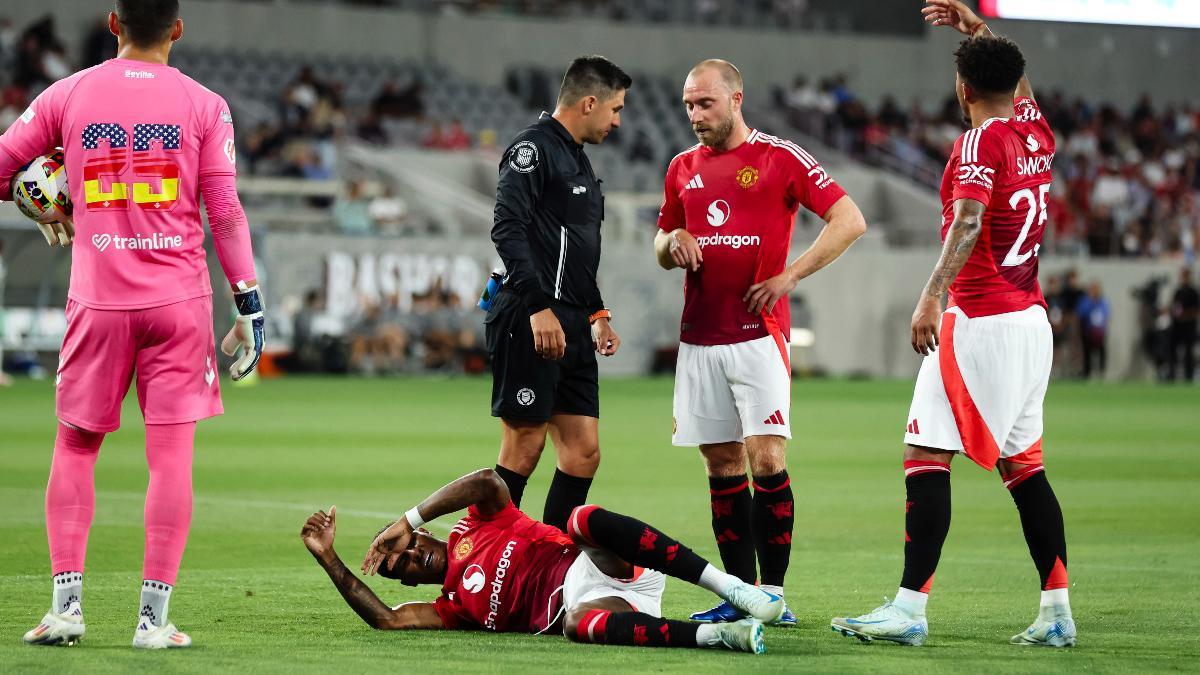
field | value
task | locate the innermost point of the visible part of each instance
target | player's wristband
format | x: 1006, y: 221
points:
x: 248, y: 300
x: 602, y: 314
x: 414, y: 518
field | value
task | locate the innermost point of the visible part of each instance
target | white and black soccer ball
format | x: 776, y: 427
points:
x: 40, y: 189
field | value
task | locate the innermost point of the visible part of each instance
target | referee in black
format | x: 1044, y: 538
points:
x: 548, y: 322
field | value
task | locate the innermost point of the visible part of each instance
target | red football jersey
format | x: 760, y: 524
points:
x: 1004, y: 163
x: 504, y: 573
x: 740, y: 205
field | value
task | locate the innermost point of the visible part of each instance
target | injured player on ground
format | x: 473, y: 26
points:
x: 502, y: 571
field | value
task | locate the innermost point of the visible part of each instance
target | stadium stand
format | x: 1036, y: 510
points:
x: 1128, y: 182
x: 370, y: 145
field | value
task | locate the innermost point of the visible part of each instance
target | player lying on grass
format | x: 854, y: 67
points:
x: 502, y: 571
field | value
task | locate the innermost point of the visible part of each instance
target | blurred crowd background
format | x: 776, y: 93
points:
x: 1127, y: 174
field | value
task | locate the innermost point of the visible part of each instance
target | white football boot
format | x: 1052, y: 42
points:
x: 742, y: 636
x: 756, y: 602
x: 58, y: 629
x: 888, y: 622
x: 149, y: 636
x: 1057, y: 631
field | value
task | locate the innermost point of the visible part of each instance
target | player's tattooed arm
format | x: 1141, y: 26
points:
x: 960, y: 241
x: 318, y: 535
x: 368, y: 606
x: 484, y: 489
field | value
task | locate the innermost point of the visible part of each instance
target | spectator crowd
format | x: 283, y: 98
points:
x: 1127, y: 181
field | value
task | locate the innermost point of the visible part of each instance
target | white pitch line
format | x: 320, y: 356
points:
x: 246, y: 504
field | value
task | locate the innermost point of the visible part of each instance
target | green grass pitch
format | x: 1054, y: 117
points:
x: 1125, y: 461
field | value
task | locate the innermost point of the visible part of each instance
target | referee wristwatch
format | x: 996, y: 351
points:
x: 601, y: 314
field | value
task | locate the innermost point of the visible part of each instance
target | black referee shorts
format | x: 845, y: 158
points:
x: 526, y: 386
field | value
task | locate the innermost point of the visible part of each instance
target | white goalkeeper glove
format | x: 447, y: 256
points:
x: 58, y: 234
x: 246, y: 334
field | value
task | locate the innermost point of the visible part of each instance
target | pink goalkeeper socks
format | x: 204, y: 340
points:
x: 71, y: 497
x: 168, y: 498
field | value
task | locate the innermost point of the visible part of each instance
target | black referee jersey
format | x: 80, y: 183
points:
x: 549, y: 207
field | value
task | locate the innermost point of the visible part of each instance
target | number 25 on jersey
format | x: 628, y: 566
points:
x: 1036, y: 205
x: 111, y: 164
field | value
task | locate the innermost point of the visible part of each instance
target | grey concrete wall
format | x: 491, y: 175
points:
x: 862, y: 308
x: 861, y: 305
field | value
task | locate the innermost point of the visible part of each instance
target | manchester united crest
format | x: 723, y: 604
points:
x: 463, y: 549
x: 747, y: 177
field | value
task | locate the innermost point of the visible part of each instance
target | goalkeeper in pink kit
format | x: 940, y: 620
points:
x: 142, y: 143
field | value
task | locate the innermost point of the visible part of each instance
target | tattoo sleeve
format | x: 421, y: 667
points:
x: 482, y: 488
x: 358, y: 595
x: 960, y: 241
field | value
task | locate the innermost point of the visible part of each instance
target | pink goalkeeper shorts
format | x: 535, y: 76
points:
x: 171, y: 348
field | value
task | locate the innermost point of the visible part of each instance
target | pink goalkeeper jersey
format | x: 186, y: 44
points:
x: 137, y: 138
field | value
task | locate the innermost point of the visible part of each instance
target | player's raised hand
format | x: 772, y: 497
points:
x: 925, y: 321
x: 319, y: 530
x: 763, y: 295
x: 387, y: 546
x: 685, y: 250
x: 952, y: 13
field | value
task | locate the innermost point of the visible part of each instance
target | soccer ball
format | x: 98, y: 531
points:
x: 40, y: 189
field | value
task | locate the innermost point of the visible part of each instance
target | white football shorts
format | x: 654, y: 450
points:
x: 585, y: 582
x: 724, y: 393
x: 981, y: 392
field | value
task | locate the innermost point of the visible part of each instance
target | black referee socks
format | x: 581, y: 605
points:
x: 515, y: 482
x: 566, y: 493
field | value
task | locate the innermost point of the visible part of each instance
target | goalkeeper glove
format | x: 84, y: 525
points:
x: 58, y: 233
x: 247, y: 332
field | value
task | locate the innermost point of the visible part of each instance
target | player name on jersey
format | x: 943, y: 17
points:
x: 1030, y: 166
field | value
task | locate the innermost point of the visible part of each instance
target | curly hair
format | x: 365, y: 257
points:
x: 991, y: 65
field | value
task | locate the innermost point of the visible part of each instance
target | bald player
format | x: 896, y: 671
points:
x: 729, y: 205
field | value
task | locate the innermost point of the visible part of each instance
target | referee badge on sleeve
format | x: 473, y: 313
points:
x: 523, y: 157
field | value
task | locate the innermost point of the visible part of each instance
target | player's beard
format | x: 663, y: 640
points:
x: 715, y: 137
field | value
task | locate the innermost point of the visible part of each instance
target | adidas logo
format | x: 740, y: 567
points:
x: 694, y: 184
x: 913, y: 428
x: 775, y: 418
